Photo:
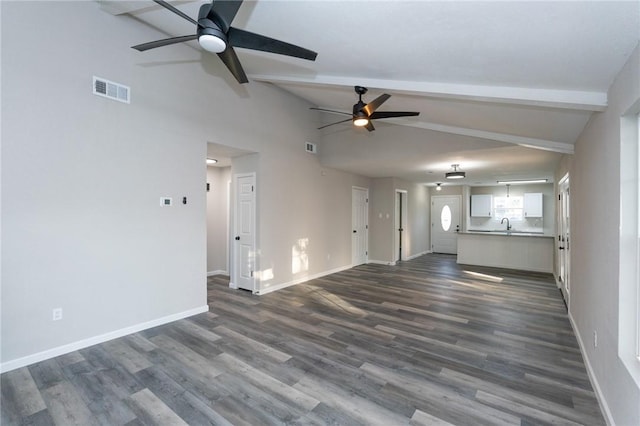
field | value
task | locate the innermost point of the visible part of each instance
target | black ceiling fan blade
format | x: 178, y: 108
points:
x: 369, y: 126
x: 177, y: 11
x: 391, y: 114
x: 226, y: 11
x: 330, y: 110
x: 249, y: 40
x: 375, y: 104
x: 164, y: 42
x: 337, y: 122
x: 232, y: 62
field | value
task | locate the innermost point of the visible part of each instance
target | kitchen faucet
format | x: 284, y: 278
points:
x: 508, y: 225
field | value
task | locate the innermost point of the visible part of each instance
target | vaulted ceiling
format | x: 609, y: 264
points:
x: 503, y: 88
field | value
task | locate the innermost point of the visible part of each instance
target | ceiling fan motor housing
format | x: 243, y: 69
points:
x: 210, y: 28
x: 358, y: 109
x: 209, y: 24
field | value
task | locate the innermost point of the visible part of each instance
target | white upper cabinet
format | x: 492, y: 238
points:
x: 533, y: 205
x: 481, y: 205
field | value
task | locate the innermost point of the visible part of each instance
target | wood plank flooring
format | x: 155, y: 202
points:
x: 427, y: 342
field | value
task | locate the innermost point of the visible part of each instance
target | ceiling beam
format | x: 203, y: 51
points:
x: 548, y: 98
x: 546, y: 145
x: 119, y: 7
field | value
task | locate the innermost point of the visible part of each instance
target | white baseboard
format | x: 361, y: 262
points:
x: 381, y: 262
x: 233, y: 285
x: 413, y: 256
x: 393, y: 263
x: 85, y: 343
x: 302, y: 280
x: 604, y: 407
x: 217, y: 272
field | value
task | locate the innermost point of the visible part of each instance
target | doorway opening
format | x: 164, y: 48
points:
x: 400, y: 225
x: 221, y: 209
x: 563, y: 240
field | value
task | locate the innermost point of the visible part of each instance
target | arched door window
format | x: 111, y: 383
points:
x: 445, y: 218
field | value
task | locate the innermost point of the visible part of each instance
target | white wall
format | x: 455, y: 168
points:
x: 382, y: 211
x: 417, y: 235
x: 218, y: 198
x: 82, y: 177
x: 381, y: 220
x: 595, y: 213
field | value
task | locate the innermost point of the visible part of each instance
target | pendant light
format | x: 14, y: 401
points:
x: 438, y: 186
x: 455, y: 174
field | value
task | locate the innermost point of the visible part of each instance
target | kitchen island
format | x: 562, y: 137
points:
x: 523, y: 251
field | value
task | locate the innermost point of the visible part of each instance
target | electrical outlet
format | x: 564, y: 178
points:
x: 57, y: 314
x: 595, y: 339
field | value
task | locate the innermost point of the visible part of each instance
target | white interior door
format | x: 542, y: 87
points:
x: 563, y: 239
x: 244, y: 232
x: 360, y: 225
x: 445, y: 223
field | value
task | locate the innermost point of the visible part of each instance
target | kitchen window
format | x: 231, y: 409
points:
x: 509, y: 207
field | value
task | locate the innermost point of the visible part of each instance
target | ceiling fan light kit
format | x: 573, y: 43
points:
x: 360, y: 119
x: 455, y: 174
x: 212, y: 43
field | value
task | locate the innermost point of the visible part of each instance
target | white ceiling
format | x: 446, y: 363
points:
x: 503, y: 88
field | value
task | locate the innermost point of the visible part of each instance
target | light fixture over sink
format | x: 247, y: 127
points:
x: 455, y: 174
x: 521, y: 181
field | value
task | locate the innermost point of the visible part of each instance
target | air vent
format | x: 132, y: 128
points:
x: 111, y: 90
x: 310, y: 147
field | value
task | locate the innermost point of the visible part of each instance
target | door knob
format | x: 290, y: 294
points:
x: 238, y: 238
x: 560, y: 248
x: 354, y: 231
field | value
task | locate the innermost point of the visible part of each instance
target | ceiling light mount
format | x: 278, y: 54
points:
x: 438, y: 186
x: 211, y: 161
x: 455, y: 174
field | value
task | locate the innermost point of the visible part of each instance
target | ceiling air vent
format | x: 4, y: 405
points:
x: 310, y: 147
x: 111, y: 90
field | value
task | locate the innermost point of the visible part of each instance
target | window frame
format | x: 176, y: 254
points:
x: 629, y: 243
x: 512, y: 219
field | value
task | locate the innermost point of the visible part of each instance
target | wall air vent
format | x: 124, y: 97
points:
x: 310, y: 147
x: 111, y: 90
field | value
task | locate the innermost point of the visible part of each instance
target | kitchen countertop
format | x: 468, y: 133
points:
x: 507, y: 234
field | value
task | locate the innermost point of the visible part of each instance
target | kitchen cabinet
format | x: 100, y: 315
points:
x: 533, y: 204
x: 481, y: 205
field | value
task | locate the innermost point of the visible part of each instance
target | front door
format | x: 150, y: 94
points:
x: 360, y: 225
x: 244, y: 232
x: 445, y: 223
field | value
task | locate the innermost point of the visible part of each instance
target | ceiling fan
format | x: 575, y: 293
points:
x: 215, y: 34
x: 363, y: 113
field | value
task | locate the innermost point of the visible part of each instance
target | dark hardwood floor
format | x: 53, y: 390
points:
x: 428, y: 342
